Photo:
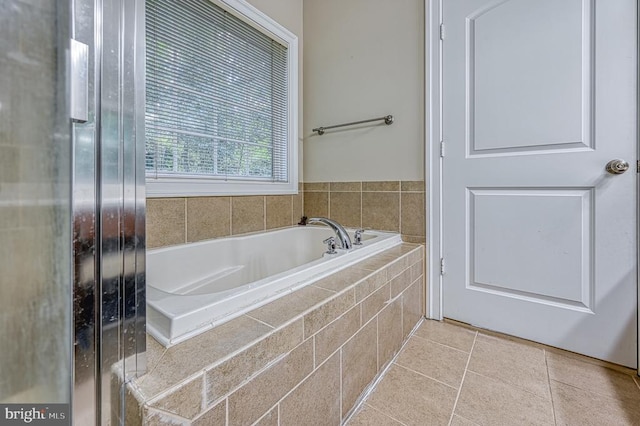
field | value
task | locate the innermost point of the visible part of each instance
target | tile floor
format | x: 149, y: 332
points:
x: 449, y: 374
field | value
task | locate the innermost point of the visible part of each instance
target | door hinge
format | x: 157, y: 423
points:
x: 442, y: 270
x: 441, y: 31
x: 442, y: 149
x: 637, y: 166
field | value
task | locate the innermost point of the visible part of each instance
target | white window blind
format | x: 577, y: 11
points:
x: 216, y: 95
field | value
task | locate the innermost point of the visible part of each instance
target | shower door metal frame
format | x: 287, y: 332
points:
x: 109, y: 211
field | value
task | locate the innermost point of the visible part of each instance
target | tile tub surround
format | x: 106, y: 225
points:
x: 452, y: 374
x: 397, y: 206
x: 303, y: 359
x: 173, y: 221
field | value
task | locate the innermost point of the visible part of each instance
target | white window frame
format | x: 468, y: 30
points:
x: 186, y: 186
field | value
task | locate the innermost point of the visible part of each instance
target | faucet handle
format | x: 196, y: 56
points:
x: 331, y: 245
x: 358, y: 237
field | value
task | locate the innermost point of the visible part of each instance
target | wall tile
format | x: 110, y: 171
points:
x: 251, y: 401
x: 375, y: 302
x: 323, y: 315
x: 370, y: 284
x: 412, y: 306
x: 208, y: 217
x: 316, y: 186
x: 381, y: 211
x: 389, y: 331
x: 162, y: 418
x: 359, y: 365
x: 400, y: 282
x: 215, y: 416
x: 316, y: 204
x: 247, y: 214
x: 412, y: 185
x: 412, y: 208
x: 186, y: 401
x: 223, y: 378
x: 317, y: 400
x: 335, y: 334
x: 345, y: 208
x: 270, y: 419
x: 165, y: 222
x: 298, y: 208
x: 414, y: 239
x: 393, y: 185
x: 345, y: 186
x: 279, y: 211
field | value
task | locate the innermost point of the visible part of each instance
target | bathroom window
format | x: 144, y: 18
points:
x: 221, y: 100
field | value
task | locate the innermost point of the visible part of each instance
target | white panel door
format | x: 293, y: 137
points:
x: 539, y: 240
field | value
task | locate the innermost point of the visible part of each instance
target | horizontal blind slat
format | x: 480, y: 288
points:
x: 216, y: 94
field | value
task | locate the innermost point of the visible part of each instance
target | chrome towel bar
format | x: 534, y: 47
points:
x: 388, y: 119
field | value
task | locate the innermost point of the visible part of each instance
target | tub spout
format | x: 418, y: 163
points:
x: 341, y: 233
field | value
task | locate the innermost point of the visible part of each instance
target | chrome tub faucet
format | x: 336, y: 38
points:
x: 341, y: 234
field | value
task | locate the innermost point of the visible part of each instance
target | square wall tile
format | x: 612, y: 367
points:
x: 316, y: 204
x: 247, y: 214
x: 345, y: 208
x: 381, y: 211
x: 165, y: 222
x: 279, y: 211
x: 208, y: 217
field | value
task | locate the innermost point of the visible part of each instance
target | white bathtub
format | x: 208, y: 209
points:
x: 194, y: 287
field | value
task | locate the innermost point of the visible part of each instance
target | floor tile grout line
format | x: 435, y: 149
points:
x: 553, y: 405
x: 464, y: 375
x: 424, y: 375
x: 383, y: 413
x: 442, y: 344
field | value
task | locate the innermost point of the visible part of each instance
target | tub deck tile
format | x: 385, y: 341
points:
x: 342, y: 279
x: 188, y: 358
x: 288, y: 307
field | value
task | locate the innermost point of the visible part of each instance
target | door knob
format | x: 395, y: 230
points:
x: 617, y: 167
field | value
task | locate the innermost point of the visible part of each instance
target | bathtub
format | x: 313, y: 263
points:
x: 194, y: 287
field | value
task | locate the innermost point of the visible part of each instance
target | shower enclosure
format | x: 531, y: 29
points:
x: 72, y: 230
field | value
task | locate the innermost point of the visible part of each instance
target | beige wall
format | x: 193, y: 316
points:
x: 288, y: 13
x: 364, y: 59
